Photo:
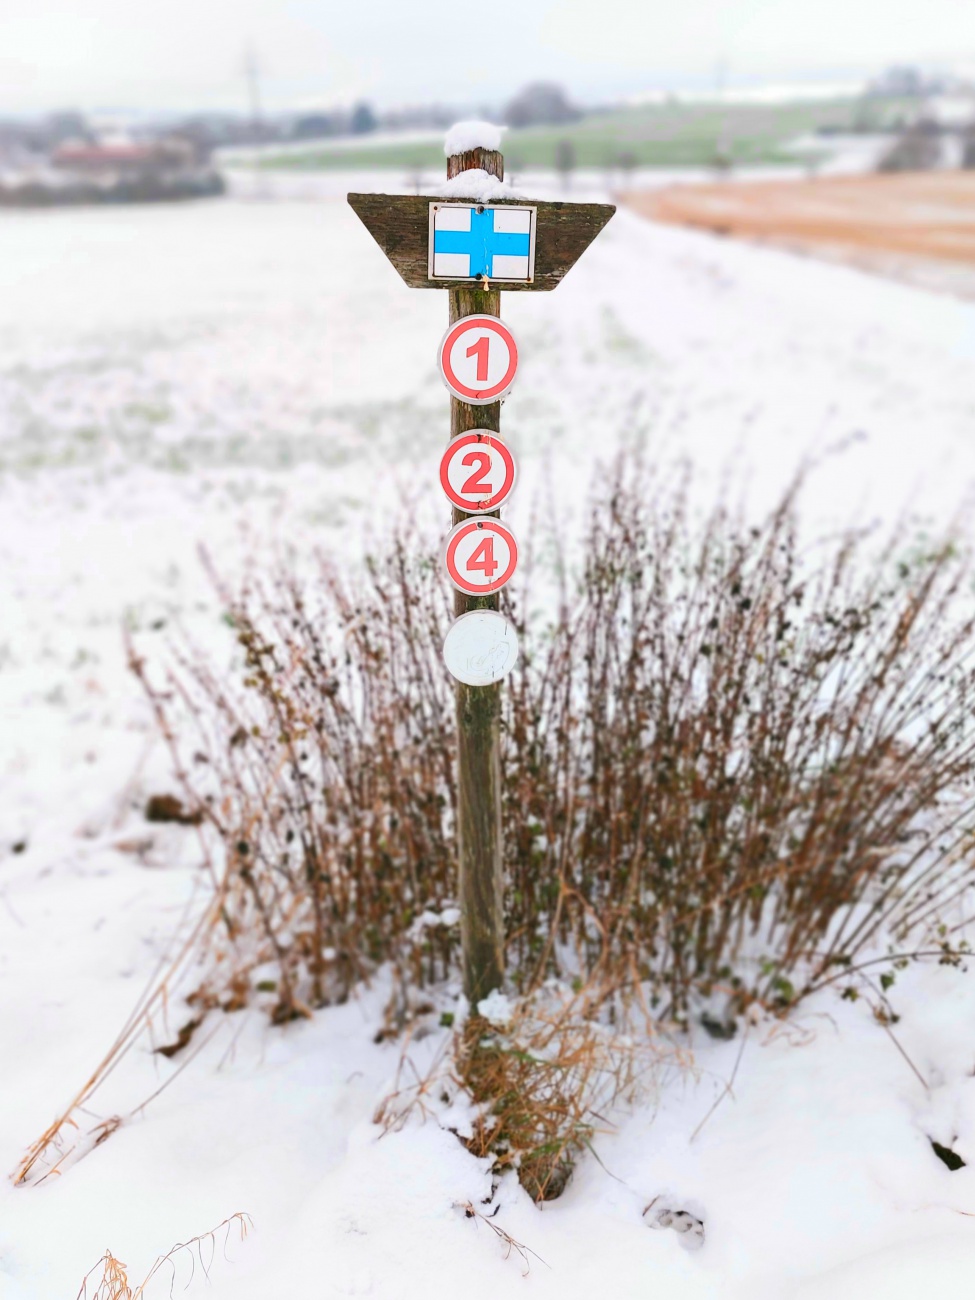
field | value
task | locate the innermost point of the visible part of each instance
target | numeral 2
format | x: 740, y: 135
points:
x: 477, y: 482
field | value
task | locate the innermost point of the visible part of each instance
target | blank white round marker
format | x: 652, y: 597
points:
x: 481, y: 647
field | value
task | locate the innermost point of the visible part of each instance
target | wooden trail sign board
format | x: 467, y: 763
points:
x: 473, y: 248
x: 401, y: 225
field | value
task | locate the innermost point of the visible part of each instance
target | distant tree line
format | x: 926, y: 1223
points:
x: 543, y: 103
x: 540, y: 103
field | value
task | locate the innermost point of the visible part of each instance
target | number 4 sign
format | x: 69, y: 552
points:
x: 480, y: 555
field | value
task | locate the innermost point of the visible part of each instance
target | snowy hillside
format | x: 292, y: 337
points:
x: 251, y: 372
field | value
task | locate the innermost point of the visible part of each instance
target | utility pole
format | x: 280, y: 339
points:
x: 252, y: 74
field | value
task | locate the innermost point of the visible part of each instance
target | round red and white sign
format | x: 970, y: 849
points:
x: 478, y: 359
x: 481, y: 555
x: 477, y: 471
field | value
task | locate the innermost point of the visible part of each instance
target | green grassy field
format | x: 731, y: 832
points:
x: 658, y: 135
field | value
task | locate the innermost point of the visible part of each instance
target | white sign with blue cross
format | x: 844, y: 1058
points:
x: 475, y: 241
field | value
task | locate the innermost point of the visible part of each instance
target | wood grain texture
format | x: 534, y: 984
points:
x: 480, y: 849
x: 400, y: 225
x: 485, y: 160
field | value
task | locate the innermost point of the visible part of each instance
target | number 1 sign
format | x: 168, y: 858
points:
x: 478, y: 359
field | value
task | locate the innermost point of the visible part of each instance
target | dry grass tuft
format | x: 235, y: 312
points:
x: 64, y: 1139
x: 544, y: 1085
x: 511, y: 1245
x: 113, y: 1284
x: 538, y: 1087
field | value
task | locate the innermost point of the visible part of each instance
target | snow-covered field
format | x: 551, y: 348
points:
x: 249, y: 372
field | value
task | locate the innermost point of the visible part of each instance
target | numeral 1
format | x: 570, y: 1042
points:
x: 480, y: 349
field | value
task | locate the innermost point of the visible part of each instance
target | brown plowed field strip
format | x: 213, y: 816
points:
x: 927, y: 215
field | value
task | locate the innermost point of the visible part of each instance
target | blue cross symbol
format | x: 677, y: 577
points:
x: 482, y: 242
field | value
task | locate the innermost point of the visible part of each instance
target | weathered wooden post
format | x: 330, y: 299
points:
x: 480, y: 865
x: 470, y: 241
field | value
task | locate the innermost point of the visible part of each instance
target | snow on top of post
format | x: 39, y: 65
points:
x: 478, y: 184
x: 465, y: 136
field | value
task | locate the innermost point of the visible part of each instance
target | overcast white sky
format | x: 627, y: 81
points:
x: 182, y: 54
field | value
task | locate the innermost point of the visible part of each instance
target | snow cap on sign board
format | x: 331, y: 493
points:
x: 465, y: 136
x: 479, y: 185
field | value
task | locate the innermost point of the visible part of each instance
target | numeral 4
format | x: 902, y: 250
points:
x: 483, y: 559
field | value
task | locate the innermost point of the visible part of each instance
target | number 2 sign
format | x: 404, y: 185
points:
x: 480, y: 555
x: 477, y: 472
x: 478, y: 359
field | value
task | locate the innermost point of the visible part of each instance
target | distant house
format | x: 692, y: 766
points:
x: 902, y: 82
x: 114, y: 170
x: 939, y: 136
x: 121, y: 155
x: 918, y: 149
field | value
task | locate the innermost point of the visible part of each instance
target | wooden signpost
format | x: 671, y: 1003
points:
x: 472, y: 247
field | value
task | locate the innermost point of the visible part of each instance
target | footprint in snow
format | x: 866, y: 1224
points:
x: 688, y: 1227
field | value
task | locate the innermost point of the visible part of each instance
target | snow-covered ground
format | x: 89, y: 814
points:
x: 248, y: 372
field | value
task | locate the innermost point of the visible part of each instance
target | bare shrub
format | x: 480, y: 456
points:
x: 728, y: 765
x: 742, y: 750
x: 329, y: 779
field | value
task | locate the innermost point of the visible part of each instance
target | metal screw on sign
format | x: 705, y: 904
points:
x: 473, y: 248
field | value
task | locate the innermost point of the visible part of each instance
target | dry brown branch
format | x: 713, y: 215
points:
x: 62, y: 1138
x: 510, y: 1243
x: 541, y: 1086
